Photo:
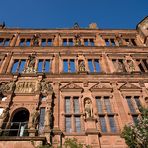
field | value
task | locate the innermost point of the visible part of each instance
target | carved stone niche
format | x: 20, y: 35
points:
x: 71, y: 87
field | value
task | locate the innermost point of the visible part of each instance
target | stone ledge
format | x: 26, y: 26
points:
x: 6, y: 138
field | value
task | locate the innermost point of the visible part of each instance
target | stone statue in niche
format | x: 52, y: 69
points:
x: 35, y: 119
x: 88, y: 108
x: 48, y: 117
x: 120, y: 66
x: 4, y: 116
x: 81, y: 66
x: 77, y: 40
x: 45, y: 87
x: 131, y: 65
x: 35, y: 40
x: 31, y: 65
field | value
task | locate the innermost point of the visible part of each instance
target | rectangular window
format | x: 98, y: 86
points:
x: 43, y: 42
x: 7, y: 42
x: 90, y: 64
x: 15, y: 65
x: 99, y: 104
x: 1, y: 41
x: 107, y: 42
x: 22, y: 66
x: 78, y: 124
x: 135, y: 118
x: 28, y: 42
x: 47, y: 65
x: 65, y: 65
x: 64, y: 42
x: 40, y: 65
x: 72, y: 65
x: 112, y: 124
x: 68, y: 124
x: 41, y: 120
x: 49, y: 42
x: 97, y: 65
x: 103, y: 124
x: 76, y: 104
x: 107, y: 104
x: 67, y: 104
x: 130, y: 104
x: 136, y: 98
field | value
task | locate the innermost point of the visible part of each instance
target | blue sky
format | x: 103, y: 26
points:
x: 64, y: 13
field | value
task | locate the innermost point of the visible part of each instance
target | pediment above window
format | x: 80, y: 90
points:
x: 101, y: 87
x: 72, y: 87
x: 129, y: 86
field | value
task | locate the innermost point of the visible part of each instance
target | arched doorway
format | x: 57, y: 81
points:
x: 19, y: 123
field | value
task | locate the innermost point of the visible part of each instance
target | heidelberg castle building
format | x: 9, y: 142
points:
x: 71, y: 83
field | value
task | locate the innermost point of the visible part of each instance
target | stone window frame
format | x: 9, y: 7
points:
x: 132, y: 92
x: 106, y: 92
x: 18, y: 56
x: 71, y: 92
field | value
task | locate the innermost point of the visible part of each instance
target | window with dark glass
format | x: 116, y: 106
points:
x: 94, y: 65
x: 68, y: 124
x: 67, y: 104
x: 78, y: 124
x: 41, y: 120
x: 76, y: 104
x: 130, y: 104
x: 99, y: 104
x: 107, y: 104
x: 103, y: 124
x: 112, y: 124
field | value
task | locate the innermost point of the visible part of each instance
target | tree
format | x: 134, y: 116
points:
x: 136, y: 135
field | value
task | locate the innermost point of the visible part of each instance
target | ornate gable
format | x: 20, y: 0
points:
x: 101, y: 87
x: 129, y: 86
x: 72, y: 87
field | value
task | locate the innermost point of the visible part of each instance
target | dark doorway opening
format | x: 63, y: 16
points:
x: 19, y: 123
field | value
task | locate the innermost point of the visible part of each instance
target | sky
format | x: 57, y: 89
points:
x: 108, y: 14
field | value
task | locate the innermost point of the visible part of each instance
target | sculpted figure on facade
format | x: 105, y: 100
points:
x: 35, y: 40
x: 120, y: 67
x: 131, y: 65
x: 35, y: 119
x: 77, y: 40
x: 7, y: 87
x: 31, y: 65
x: 81, y: 66
x: 4, y: 116
x: 88, y: 108
x: 45, y: 87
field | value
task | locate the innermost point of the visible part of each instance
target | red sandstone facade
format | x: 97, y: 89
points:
x: 71, y: 83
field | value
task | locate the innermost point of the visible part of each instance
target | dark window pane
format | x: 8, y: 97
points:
x: 40, y: 63
x: 15, y: 65
x: 47, y: 65
x: 97, y: 65
x: 130, y: 105
x: 78, y: 124
x: 135, y: 118
x: 65, y: 65
x: 112, y: 124
x: 107, y: 104
x: 41, y: 120
x: 68, y: 124
x: 103, y: 123
x: 136, y: 98
x: 90, y: 64
x: 22, y: 65
x: 67, y: 104
x: 76, y: 104
x: 99, y: 104
x: 72, y: 66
